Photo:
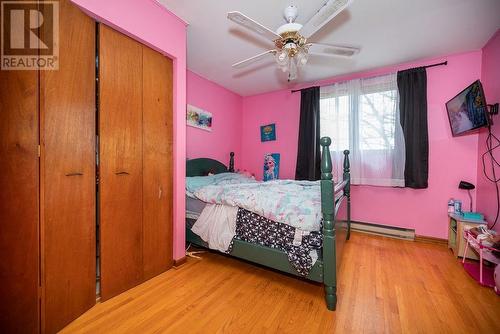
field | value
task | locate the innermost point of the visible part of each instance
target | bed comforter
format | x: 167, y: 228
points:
x: 295, y: 203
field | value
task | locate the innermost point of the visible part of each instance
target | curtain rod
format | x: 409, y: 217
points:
x: 427, y: 66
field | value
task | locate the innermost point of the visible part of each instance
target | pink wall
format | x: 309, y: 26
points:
x: 153, y: 25
x: 451, y: 159
x: 490, y: 77
x: 225, y: 107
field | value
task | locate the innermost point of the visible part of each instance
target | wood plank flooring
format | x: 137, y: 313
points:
x: 386, y: 286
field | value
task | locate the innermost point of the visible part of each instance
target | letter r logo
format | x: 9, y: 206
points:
x: 17, y: 29
x: 28, y: 28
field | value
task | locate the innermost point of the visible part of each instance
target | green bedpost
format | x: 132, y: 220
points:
x: 347, y: 190
x: 231, y: 162
x: 328, y: 210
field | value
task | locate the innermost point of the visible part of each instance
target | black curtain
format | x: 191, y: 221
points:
x: 309, y: 153
x: 412, y: 86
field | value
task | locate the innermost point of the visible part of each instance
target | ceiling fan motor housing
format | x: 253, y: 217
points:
x: 289, y: 27
x: 290, y: 41
x: 289, y: 32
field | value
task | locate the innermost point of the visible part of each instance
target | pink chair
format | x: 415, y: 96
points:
x: 483, y: 275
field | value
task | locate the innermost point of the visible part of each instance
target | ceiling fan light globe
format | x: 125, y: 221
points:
x: 281, y: 57
x: 301, y: 58
x: 292, y: 69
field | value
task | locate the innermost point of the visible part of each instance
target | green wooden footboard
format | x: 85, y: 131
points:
x: 335, y: 208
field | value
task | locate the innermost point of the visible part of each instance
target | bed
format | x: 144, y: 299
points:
x: 335, y: 227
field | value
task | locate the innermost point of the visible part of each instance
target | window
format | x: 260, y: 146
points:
x: 363, y: 116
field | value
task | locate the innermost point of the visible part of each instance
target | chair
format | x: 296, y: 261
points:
x: 483, y: 275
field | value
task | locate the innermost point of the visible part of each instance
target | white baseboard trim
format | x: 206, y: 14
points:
x: 383, y: 230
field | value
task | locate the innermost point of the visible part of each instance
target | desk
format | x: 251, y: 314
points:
x: 456, y: 241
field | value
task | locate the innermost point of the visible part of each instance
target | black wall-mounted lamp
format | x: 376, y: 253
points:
x: 467, y: 186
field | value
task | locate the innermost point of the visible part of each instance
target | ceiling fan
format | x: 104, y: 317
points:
x: 290, y: 40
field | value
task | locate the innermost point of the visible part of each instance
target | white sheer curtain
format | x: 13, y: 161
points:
x: 362, y: 116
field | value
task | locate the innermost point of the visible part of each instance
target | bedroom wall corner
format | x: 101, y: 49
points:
x: 490, y: 78
x: 451, y: 159
x: 226, y: 109
x: 153, y: 25
x: 279, y: 107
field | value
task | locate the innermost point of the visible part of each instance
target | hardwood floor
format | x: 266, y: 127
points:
x: 386, y: 286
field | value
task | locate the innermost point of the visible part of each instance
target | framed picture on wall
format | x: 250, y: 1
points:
x: 198, y: 118
x: 268, y: 132
x: 271, y: 166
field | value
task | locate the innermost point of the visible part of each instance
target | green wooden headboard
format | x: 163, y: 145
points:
x: 204, y: 166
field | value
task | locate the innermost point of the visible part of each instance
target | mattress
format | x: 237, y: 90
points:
x: 194, y: 207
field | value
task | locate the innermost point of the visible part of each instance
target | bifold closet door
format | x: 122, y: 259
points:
x: 68, y: 183
x: 19, y: 280
x: 157, y: 162
x: 120, y: 163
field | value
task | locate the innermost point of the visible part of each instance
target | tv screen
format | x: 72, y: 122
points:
x: 468, y: 111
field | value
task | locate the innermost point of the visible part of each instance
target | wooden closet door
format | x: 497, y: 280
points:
x: 19, y: 278
x: 120, y: 128
x: 68, y: 187
x: 157, y: 162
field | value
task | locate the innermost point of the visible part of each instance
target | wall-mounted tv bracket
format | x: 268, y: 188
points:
x: 493, y: 109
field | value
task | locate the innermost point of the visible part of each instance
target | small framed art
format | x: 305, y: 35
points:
x: 268, y: 132
x: 199, y: 118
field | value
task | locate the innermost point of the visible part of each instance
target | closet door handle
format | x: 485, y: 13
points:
x: 160, y: 192
x: 122, y: 173
x: 74, y: 174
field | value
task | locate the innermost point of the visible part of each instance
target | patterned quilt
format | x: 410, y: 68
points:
x: 300, y: 247
x: 295, y: 203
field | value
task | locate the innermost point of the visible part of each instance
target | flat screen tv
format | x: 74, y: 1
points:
x: 468, y: 110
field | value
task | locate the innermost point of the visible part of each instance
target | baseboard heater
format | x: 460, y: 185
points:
x: 383, y: 230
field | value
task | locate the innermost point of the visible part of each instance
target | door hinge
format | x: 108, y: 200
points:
x: 39, y: 151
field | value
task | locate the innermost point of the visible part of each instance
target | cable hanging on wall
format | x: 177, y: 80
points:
x: 492, y: 143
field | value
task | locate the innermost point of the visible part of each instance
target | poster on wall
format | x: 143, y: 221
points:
x: 271, y: 166
x: 199, y: 118
x: 268, y: 132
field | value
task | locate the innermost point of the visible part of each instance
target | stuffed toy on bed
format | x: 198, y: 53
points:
x: 246, y: 173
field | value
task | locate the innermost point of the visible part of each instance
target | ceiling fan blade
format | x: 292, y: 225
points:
x: 332, y: 50
x: 255, y: 26
x: 324, y: 15
x: 252, y: 59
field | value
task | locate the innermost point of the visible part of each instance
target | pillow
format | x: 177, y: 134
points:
x: 194, y: 183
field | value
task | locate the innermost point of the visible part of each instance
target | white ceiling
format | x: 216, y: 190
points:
x: 388, y: 31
